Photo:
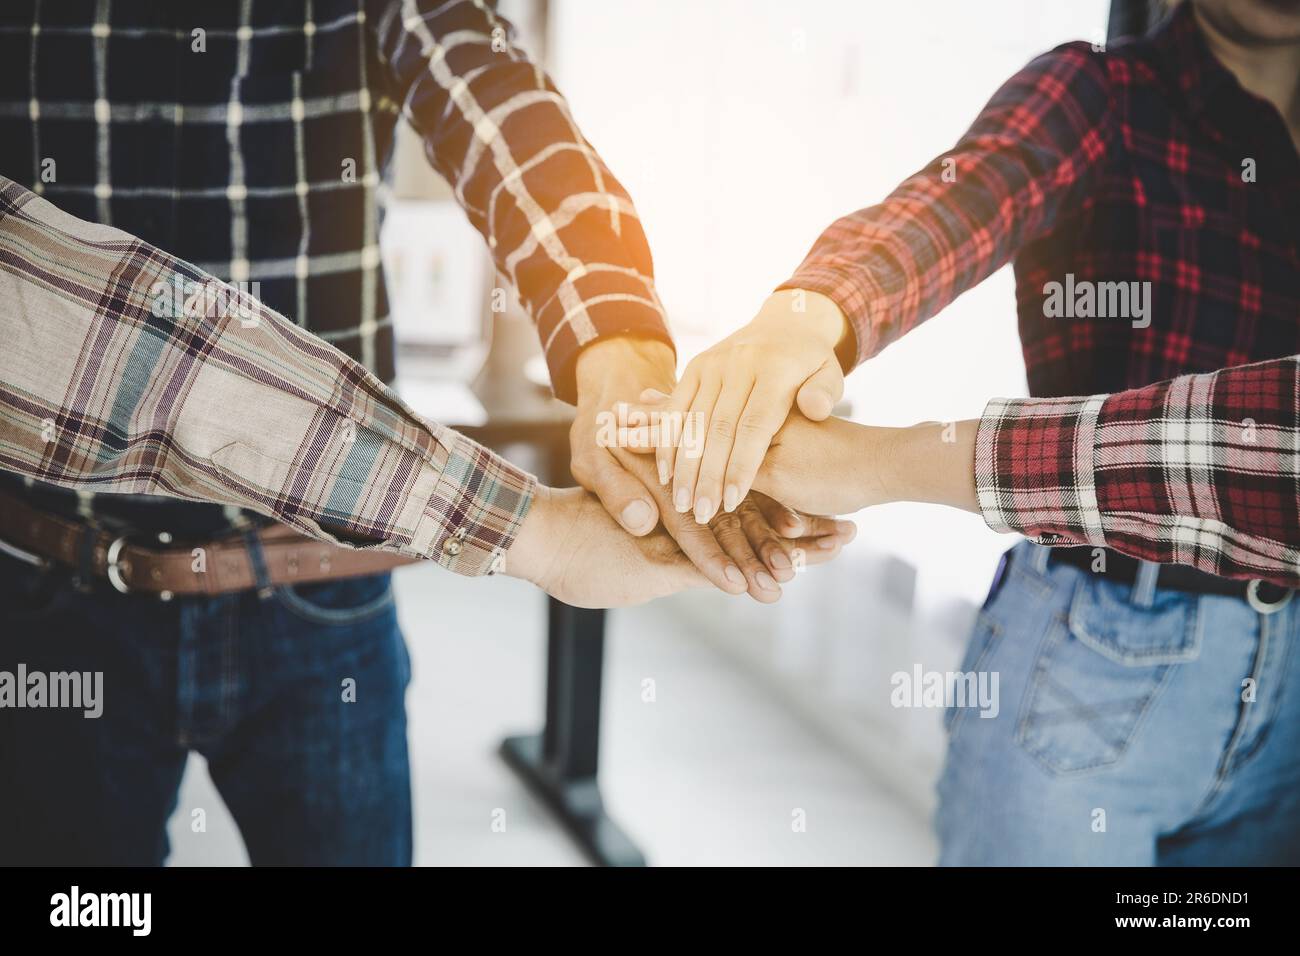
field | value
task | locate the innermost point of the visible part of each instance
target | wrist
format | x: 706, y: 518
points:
x: 875, y: 466
x: 529, y: 554
x: 622, y: 359
x: 817, y: 315
x: 933, y: 462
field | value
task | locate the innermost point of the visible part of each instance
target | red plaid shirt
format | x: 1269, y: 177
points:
x: 1151, y: 207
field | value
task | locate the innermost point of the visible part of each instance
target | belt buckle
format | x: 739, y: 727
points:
x: 113, y: 566
x: 1262, y: 606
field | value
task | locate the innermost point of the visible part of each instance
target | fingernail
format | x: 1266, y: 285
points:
x: 732, y: 574
x: 663, y: 472
x: 635, y: 515
x: 703, y: 510
x: 682, y: 500
x: 846, y: 530
x: 780, y: 561
x: 730, y: 498
x: 827, y: 543
x: 766, y: 581
x: 796, y: 523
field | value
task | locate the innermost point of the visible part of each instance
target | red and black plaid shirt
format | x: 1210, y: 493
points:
x: 1144, y: 163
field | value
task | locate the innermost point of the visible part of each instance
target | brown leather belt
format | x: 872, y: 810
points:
x: 221, y: 566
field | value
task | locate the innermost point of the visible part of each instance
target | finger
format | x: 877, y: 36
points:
x: 647, y: 426
x: 792, y: 524
x: 818, y: 395
x: 691, y: 447
x: 624, y: 496
x: 809, y: 552
x: 641, y: 434
x: 696, y: 541
x: 728, y: 530
x: 771, y: 548
x: 672, y: 411
x: 817, y: 526
x: 702, y: 547
x: 760, y: 420
x: 720, y: 434
x: 787, y: 522
x: 647, y: 437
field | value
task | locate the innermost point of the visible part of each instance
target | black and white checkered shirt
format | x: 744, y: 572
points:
x: 249, y: 137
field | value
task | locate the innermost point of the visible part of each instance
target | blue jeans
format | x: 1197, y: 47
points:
x: 1137, y: 726
x: 257, y: 685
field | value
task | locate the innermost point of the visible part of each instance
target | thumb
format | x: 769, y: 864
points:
x: 624, y: 496
x: 818, y: 395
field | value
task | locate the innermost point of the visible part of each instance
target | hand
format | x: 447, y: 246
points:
x: 608, y: 372
x: 734, y: 397
x: 573, y: 550
x: 729, y: 555
x: 755, y: 548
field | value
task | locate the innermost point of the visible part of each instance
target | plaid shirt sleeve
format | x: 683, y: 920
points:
x: 126, y: 370
x: 1201, y: 470
x: 561, y: 228
x: 1027, y: 158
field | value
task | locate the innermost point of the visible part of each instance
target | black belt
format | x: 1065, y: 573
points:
x: 1261, y: 595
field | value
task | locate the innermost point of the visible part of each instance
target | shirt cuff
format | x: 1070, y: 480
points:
x: 1035, y: 469
x: 857, y: 296
x: 477, y: 505
x: 608, y: 303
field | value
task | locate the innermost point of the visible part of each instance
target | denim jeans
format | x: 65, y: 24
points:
x: 296, y: 699
x: 1137, y: 726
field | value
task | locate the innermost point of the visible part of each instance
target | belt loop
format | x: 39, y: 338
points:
x: 1144, y: 584
x: 256, y: 558
x: 1039, y: 557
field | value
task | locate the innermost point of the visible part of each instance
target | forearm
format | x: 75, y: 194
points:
x: 559, y: 225
x: 108, y: 382
x: 1197, y: 470
x: 933, y: 462
x: 1025, y: 162
x: 839, y: 467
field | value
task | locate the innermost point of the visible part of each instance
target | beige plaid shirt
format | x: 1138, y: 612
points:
x: 124, y: 369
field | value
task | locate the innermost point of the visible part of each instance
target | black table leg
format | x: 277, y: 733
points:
x: 559, y: 764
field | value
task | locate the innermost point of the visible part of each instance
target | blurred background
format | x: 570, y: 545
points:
x: 741, y: 128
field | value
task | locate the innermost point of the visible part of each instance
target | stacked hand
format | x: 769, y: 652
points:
x: 752, y: 433
x: 752, y: 549
x: 734, y: 397
x: 572, y: 549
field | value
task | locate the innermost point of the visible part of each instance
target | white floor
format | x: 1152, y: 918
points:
x: 710, y: 772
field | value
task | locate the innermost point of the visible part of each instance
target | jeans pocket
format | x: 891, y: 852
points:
x: 342, y: 602
x: 1099, y: 669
